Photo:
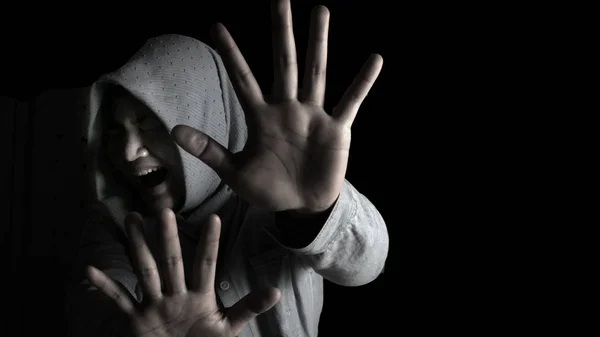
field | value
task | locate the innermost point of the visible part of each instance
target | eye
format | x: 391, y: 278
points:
x: 114, y: 131
x: 149, y: 123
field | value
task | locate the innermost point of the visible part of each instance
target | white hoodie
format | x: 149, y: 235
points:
x: 183, y: 81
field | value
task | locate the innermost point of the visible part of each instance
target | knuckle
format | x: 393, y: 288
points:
x: 139, y: 244
x: 288, y: 61
x: 116, y: 295
x: 317, y: 70
x: 228, y: 48
x: 209, y: 260
x: 244, y: 76
x: 148, y: 272
x: 354, y: 98
x: 172, y: 260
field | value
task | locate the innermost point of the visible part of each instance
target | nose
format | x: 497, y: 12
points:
x: 134, y: 146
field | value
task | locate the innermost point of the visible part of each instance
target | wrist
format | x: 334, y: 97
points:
x: 307, y: 214
x: 298, y: 228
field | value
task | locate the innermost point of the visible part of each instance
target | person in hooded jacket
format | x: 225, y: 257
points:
x: 219, y: 217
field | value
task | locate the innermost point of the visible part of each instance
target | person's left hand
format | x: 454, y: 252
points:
x: 296, y: 155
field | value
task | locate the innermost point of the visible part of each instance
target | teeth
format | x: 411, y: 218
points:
x: 144, y: 172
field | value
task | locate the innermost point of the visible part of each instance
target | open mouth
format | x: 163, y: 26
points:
x: 153, y: 178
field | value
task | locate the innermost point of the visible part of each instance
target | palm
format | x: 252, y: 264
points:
x: 297, y: 154
x: 195, y: 315
x: 291, y: 154
x: 179, y: 310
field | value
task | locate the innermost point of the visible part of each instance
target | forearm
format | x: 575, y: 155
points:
x: 298, y: 231
x: 92, y: 314
x: 89, y: 311
x: 348, y: 248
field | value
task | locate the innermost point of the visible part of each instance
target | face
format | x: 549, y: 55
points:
x: 141, y: 148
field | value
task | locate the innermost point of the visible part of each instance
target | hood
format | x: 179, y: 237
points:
x: 185, y: 82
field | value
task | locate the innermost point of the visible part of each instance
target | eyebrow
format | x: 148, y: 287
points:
x: 137, y: 114
x: 140, y: 109
x: 110, y: 120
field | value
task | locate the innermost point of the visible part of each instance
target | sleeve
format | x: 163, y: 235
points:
x: 102, y: 245
x: 348, y: 248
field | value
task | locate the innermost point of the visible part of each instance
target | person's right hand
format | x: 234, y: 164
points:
x: 179, y: 311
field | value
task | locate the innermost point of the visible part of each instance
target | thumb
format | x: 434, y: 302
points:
x: 252, y: 305
x: 203, y: 147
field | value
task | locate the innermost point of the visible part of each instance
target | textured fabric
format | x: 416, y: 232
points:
x: 350, y: 249
x: 183, y: 81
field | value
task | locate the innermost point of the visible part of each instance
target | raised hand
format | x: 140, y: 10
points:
x: 297, y: 154
x: 179, y: 311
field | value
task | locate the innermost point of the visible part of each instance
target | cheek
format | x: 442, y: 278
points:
x: 115, y: 155
x: 163, y: 147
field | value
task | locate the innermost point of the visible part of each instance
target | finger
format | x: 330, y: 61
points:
x: 250, y: 306
x: 284, y: 50
x: 316, y: 58
x: 144, y: 263
x: 173, y: 264
x: 238, y: 70
x: 199, y: 145
x: 346, y: 110
x: 111, y: 289
x: 206, y: 256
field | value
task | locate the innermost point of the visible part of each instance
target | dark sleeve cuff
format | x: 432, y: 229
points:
x: 298, y: 231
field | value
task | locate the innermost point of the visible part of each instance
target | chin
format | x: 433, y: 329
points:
x: 160, y: 197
